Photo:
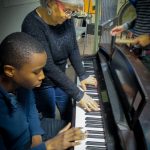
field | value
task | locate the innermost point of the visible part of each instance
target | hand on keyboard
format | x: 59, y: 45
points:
x: 67, y: 137
x: 90, y: 80
x: 88, y: 104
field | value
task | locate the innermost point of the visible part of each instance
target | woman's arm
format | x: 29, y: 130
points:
x: 75, y: 57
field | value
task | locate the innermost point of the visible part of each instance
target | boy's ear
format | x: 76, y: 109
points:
x: 9, y: 70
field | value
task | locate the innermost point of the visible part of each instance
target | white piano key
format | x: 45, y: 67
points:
x: 88, y: 66
x: 87, y: 63
x: 94, y: 116
x: 92, y: 93
x: 95, y: 140
x: 94, y: 129
x: 90, y: 71
x: 81, y: 116
x: 95, y: 99
x: 83, y: 145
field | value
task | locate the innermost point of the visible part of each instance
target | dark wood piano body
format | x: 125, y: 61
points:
x: 124, y: 88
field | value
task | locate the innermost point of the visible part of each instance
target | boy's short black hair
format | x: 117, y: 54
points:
x: 17, y: 48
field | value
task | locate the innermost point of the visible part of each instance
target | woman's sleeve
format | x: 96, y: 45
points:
x: 75, y: 57
x: 129, y: 25
x: 37, y: 30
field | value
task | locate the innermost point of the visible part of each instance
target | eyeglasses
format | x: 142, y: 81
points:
x: 70, y: 13
x: 67, y: 11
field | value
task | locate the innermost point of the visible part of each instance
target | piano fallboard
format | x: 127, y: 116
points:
x: 120, y: 124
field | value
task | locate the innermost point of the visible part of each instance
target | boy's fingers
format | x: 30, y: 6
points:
x: 65, y: 128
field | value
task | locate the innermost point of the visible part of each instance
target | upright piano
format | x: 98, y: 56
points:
x: 123, y: 93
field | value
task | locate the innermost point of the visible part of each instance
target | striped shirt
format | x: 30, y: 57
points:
x: 141, y: 25
x: 142, y: 22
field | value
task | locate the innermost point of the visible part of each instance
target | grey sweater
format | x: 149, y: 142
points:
x: 60, y: 44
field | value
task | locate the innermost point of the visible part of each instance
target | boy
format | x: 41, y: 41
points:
x: 22, y: 60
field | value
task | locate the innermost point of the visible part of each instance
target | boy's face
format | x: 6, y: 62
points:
x: 31, y: 74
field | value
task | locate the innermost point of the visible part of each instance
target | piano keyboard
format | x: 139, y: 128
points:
x: 92, y: 122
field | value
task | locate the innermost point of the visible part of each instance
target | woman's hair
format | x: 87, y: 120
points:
x: 79, y: 3
x: 17, y: 49
x: 44, y: 3
x: 71, y: 2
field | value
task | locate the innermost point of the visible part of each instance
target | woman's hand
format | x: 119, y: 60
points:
x: 90, y: 80
x: 88, y: 104
x: 67, y: 137
x: 116, y: 31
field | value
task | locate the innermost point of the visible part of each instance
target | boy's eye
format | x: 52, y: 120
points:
x: 37, y: 72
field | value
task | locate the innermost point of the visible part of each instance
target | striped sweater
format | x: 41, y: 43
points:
x: 142, y: 22
x: 141, y: 25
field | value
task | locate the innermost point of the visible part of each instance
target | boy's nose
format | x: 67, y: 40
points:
x: 41, y: 76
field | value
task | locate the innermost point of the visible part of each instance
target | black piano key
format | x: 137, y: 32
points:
x: 93, y: 96
x: 93, y: 118
x: 95, y: 143
x: 86, y: 67
x: 95, y: 148
x: 94, y: 113
x: 94, y: 122
x: 90, y: 73
x: 96, y: 136
x: 91, y: 87
x: 91, y: 90
x: 89, y: 66
x: 95, y: 132
x: 94, y: 126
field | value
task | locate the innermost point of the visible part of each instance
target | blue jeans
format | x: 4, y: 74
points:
x: 48, y: 97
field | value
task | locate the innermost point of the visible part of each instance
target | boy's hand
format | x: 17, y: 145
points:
x: 68, y: 137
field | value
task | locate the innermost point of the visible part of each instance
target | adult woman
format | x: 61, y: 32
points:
x: 51, y: 24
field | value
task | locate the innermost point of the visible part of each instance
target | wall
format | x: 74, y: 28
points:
x: 11, y: 17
